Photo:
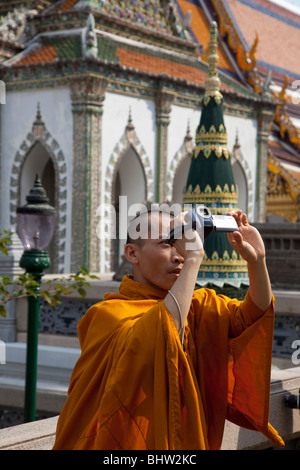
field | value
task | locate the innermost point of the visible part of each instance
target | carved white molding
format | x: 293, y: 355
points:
x: 39, y: 133
x: 237, y: 156
x: 128, y: 140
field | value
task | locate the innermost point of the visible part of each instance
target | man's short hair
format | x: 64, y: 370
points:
x: 149, y: 208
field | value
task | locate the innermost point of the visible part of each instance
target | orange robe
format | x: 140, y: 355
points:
x: 135, y: 387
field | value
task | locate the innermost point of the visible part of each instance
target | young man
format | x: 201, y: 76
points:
x: 162, y: 365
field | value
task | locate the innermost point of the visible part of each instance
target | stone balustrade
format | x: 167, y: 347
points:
x: 282, y: 242
x: 58, y: 338
x: 40, y: 435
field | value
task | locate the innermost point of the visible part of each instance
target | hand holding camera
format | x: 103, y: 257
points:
x: 203, y: 222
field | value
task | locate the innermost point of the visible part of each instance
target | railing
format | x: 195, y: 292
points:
x: 40, y: 435
x: 282, y: 242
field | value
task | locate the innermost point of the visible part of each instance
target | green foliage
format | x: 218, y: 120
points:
x: 25, y: 285
x: 4, y: 241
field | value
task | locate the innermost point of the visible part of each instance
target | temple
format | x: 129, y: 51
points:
x: 104, y: 99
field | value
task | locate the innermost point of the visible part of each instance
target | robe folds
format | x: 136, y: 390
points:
x: 135, y: 387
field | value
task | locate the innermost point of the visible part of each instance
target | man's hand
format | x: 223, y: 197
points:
x: 189, y: 245
x: 247, y: 241
x: 249, y: 244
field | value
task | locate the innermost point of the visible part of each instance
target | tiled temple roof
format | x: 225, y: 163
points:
x: 278, y: 30
x: 125, y: 29
x: 52, y: 48
x: 200, y: 25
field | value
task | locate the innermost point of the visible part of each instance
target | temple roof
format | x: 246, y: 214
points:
x: 168, y: 37
x: 276, y: 29
x: 157, y: 47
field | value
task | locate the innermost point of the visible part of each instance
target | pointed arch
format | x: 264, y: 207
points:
x: 243, y: 179
x: 178, y: 169
x: 129, y: 144
x: 40, y: 137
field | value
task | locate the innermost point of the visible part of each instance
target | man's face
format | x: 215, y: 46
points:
x: 157, y: 263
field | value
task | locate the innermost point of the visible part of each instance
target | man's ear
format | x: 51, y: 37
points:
x: 131, y: 253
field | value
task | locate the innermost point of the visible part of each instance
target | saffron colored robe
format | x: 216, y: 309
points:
x: 135, y: 387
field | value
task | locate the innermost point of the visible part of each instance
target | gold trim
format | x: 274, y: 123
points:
x: 225, y: 195
x: 283, y: 191
x: 212, y: 135
x: 224, y: 263
x: 212, y: 83
x: 247, y: 61
x: 211, y: 138
x: 293, y: 183
x: 217, y: 96
x: 220, y: 150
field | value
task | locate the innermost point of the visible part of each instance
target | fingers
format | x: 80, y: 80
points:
x: 245, y: 219
x: 240, y: 217
x: 235, y: 238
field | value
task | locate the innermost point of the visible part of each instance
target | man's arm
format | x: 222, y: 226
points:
x: 249, y: 244
x: 183, y: 287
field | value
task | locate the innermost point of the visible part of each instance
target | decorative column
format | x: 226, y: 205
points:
x: 87, y: 95
x: 264, y: 120
x: 164, y: 102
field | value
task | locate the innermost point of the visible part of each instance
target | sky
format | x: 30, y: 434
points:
x: 293, y: 5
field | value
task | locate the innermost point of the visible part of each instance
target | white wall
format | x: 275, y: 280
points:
x: 114, y: 121
x: 17, y: 118
x: 247, y: 136
x: 177, y: 130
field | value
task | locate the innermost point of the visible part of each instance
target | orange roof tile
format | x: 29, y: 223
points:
x: 156, y: 65
x: 279, y: 36
x: 66, y: 5
x: 43, y: 54
x: 200, y: 27
x: 146, y: 63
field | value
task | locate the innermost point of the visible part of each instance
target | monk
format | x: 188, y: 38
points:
x: 163, y: 365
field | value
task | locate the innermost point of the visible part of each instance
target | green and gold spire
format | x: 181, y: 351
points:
x: 211, y: 181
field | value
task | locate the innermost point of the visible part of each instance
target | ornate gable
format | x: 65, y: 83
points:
x: 159, y: 15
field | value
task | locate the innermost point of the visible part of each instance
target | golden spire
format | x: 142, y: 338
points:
x: 212, y: 84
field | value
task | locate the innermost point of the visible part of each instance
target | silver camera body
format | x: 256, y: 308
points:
x: 201, y: 220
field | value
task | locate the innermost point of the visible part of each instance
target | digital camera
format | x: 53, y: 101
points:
x: 201, y: 220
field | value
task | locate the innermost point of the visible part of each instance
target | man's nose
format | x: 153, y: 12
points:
x: 176, y: 257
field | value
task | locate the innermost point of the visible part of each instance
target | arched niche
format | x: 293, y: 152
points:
x: 179, y: 168
x: 128, y: 169
x: 129, y: 181
x: 180, y: 178
x: 40, y: 153
x: 38, y: 160
x: 243, y: 179
x: 242, y: 184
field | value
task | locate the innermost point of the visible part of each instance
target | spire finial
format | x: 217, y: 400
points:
x: 38, y: 127
x: 38, y: 118
x: 212, y: 83
x: 130, y: 125
x: 130, y: 132
x: 237, y: 142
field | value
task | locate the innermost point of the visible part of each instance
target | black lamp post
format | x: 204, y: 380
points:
x: 35, y: 226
